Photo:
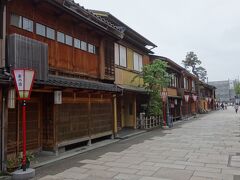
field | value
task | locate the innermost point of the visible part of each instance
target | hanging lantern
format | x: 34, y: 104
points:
x: 11, y: 98
x: 175, y: 101
x: 57, y: 97
x: 194, y: 98
x: 186, y: 97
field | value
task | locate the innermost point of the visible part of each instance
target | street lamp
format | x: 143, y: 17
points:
x: 23, y: 79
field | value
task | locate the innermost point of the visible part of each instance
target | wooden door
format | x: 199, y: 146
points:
x: 33, y: 126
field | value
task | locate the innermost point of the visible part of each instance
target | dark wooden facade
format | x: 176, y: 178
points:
x: 85, y: 113
x: 191, y: 107
x: 62, y: 58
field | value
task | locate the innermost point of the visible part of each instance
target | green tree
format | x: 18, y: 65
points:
x: 192, y: 61
x: 237, y: 88
x: 155, y: 78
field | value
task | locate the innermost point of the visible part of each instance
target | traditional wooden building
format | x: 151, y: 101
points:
x: 190, y: 94
x: 207, y: 97
x: 173, y: 91
x: 4, y: 83
x: 131, y: 55
x: 72, y: 52
x: 182, y: 91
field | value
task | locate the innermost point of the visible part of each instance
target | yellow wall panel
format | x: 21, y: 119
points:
x: 172, y: 92
x: 125, y: 77
x: 129, y: 59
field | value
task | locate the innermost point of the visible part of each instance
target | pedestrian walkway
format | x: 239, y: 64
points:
x: 201, y: 149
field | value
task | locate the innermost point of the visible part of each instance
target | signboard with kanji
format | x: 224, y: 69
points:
x: 23, y: 81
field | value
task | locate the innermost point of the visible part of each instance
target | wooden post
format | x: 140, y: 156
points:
x: 122, y: 112
x: 134, y: 112
x: 4, y: 128
x: 89, y: 120
x: 115, y: 113
x: 102, y: 59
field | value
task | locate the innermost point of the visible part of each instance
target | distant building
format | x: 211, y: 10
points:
x: 225, y: 90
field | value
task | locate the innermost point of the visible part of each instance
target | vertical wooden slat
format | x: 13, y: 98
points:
x: 1, y: 105
x: 89, y: 116
x: 18, y: 126
x: 101, y: 59
x: 115, y: 114
x: 134, y: 112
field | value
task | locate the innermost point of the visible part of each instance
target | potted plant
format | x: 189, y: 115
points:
x: 12, y: 164
x: 29, y: 158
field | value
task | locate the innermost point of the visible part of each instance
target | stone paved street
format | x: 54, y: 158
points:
x: 198, y: 149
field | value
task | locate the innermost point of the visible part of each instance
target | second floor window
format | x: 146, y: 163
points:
x: 60, y: 37
x: 120, y: 54
x: 16, y: 20
x: 40, y: 29
x: 77, y: 43
x: 91, y: 48
x: 186, y: 83
x: 21, y: 22
x: 123, y: 56
x: 193, y: 86
x: 50, y: 33
x: 83, y: 46
x: 173, y: 80
x: 137, y: 62
x: 27, y: 24
x: 69, y: 40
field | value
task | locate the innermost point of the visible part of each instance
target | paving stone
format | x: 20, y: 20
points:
x: 235, y: 158
x: 51, y: 178
x: 212, y: 175
x: 71, y: 175
x: 94, y: 166
x: 101, y: 173
x: 123, y: 170
x: 145, y: 172
x: 142, y: 167
x: 76, y: 170
x: 152, y: 178
x: 205, y: 169
x: 216, y: 166
x: 231, y: 171
x: 89, y: 161
x: 187, y: 163
x: 175, y: 166
x: 235, y: 163
x: 174, y: 174
x: 200, y: 178
x: 117, y: 164
x: 123, y: 176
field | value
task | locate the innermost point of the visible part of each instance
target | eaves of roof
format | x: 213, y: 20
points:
x: 133, y: 89
x: 88, y: 17
x: 78, y: 83
x: 129, y: 32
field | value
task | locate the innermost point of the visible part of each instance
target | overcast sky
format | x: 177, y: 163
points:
x: 210, y: 28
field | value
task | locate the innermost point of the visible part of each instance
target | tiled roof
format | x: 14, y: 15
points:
x: 82, y: 12
x: 79, y: 84
x: 133, y: 89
